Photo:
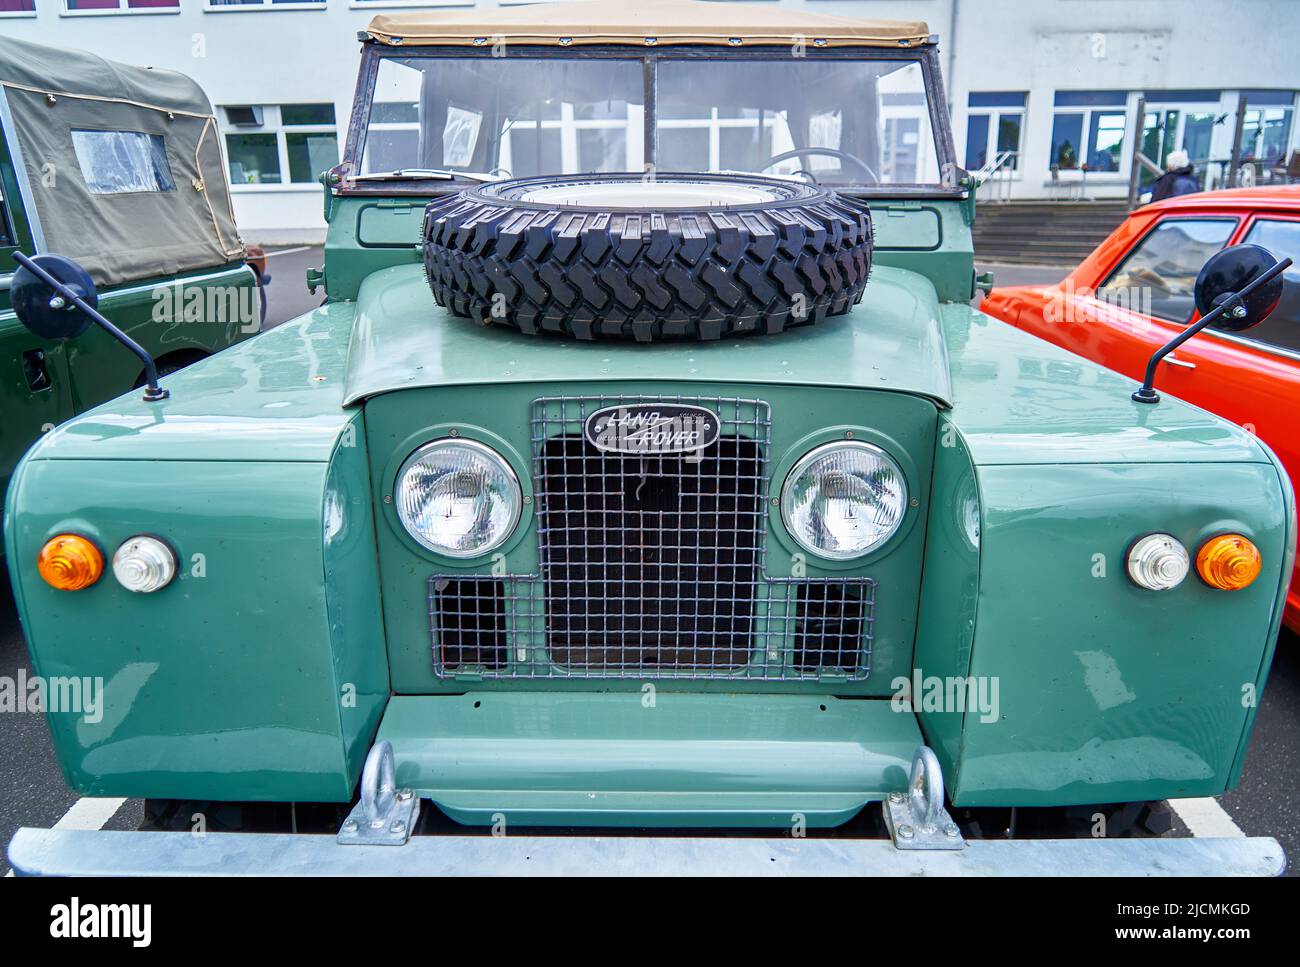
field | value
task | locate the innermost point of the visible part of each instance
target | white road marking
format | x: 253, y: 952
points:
x: 1205, y: 817
x: 290, y: 251
x: 89, y: 813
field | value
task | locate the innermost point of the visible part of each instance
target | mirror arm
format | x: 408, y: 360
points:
x: 153, y: 392
x: 1233, y: 303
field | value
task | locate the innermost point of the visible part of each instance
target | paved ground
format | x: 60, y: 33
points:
x: 33, y: 793
x: 288, y: 291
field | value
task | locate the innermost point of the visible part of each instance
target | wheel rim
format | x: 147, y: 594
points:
x: 648, y: 194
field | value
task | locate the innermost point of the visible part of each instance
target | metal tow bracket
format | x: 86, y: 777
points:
x: 385, y: 814
x: 917, y: 819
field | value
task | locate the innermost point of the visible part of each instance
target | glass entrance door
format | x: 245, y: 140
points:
x: 1185, y: 127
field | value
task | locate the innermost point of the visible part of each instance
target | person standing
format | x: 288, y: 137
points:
x: 1178, y: 178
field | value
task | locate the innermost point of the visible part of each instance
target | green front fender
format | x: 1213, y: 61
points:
x: 1102, y: 692
x: 258, y: 674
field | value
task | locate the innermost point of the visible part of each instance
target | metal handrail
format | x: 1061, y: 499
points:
x: 1001, y: 163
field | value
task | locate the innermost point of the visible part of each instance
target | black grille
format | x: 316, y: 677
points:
x: 651, y: 567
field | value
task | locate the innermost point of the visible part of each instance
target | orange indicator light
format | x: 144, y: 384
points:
x: 70, y: 563
x: 1228, y: 562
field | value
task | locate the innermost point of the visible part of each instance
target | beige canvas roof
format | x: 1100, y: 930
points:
x: 182, y: 222
x: 643, y: 23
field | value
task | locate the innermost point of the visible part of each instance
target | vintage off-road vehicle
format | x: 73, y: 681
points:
x: 120, y: 168
x: 647, y: 467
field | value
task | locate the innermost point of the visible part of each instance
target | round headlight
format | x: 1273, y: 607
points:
x: 843, y: 500
x: 458, y: 498
x: 144, y: 564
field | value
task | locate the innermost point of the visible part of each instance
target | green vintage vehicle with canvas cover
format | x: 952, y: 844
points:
x: 647, y: 469
x: 120, y: 168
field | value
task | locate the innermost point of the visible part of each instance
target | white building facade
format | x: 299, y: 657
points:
x: 1047, y: 93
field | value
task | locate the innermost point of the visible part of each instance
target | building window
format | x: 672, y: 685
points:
x: 17, y: 8
x: 123, y: 6
x: 269, y: 144
x: 1088, y: 129
x: 1179, y: 121
x: 220, y: 5
x: 995, y: 124
x: 1266, y: 129
x: 431, y: 3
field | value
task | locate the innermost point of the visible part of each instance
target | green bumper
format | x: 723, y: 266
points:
x: 649, y: 758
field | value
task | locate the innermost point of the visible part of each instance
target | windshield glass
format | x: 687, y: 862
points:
x: 855, y: 123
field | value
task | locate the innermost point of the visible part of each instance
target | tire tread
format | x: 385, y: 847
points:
x: 647, y: 276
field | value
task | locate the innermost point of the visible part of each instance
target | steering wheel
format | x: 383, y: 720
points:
x: 829, y: 152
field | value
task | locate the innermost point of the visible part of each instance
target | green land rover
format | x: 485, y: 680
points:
x: 119, y: 167
x: 647, y: 468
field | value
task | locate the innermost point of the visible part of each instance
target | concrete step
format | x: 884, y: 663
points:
x: 1043, y: 233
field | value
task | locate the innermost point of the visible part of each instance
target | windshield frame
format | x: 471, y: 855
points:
x: 950, y: 173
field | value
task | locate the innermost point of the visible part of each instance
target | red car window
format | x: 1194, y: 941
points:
x: 1282, y: 329
x: 1158, y: 276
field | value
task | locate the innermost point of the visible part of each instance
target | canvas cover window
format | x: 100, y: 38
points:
x: 117, y: 162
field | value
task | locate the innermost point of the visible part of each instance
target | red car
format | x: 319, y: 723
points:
x: 1135, y: 292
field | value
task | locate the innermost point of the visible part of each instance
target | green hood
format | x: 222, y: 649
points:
x: 892, y: 341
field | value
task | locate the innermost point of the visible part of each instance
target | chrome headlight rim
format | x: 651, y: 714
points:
x: 818, y: 445
x: 508, y: 533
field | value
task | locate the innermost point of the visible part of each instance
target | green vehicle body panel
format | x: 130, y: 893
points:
x: 279, y: 394
x: 194, y: 706
x: 950, y: 584
x: 310, y: 635
x: 398, y: 344
x: 1124, y: 692
x: 756, y: 759
x: 94, y: 367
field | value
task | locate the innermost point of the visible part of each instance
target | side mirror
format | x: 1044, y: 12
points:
x: 1229, y: 271
x: 42, y: 309
x: 55, y: 298
x: 1236, y: 289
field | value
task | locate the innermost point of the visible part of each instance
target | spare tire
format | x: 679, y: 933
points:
x: 622, y: 256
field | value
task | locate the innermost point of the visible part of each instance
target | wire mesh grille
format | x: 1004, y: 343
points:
x: 652, y: 566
